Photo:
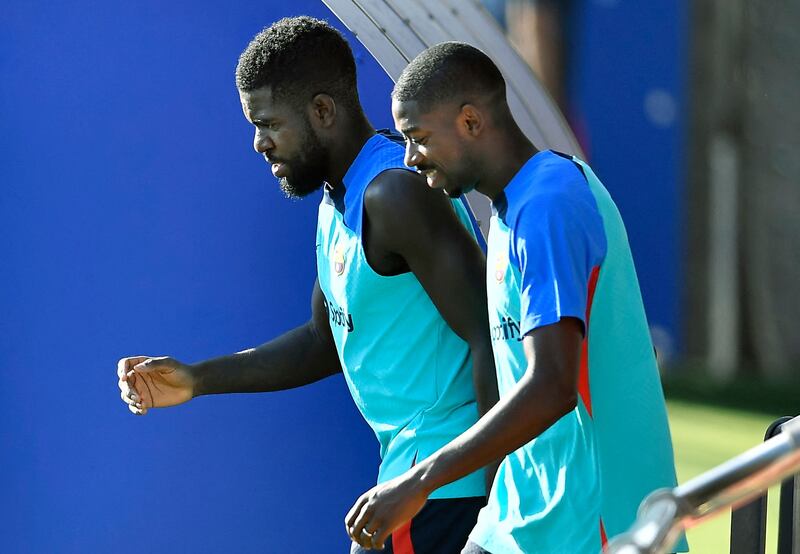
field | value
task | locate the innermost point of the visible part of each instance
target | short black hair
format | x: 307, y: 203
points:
x: 299, y: 57
x: 446, y: 70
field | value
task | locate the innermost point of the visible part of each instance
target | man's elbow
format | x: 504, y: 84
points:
x: 568, y: 401
x: 563, y: 399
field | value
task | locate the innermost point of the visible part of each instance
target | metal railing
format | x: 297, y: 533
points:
x: 749, y: 523
x: 665, y: 513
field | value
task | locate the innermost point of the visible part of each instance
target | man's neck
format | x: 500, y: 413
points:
x: 506, y: 160
x: 345, y: 149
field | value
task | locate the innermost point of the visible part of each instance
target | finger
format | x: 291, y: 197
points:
x: 125, y: 364
x: 379, y: 537
x: 361, y: 524
x: 139, y: 385
x: 133, y: 401
x: 154, y: 364
x: 350, y: 518
x: 138, y: 410
x: 124, y: 390
x: 131, y: 378
x: 354, y: 530
x: 128, y: 389
x: 128, y: 398
x: 131, y: 397
x: 365, y: 539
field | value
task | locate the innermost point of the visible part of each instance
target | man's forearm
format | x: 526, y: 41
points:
x: 484, y: 376
x: 294, y: 359
x: 517, y: 419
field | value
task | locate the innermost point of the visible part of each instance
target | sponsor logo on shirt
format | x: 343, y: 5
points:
x: 338, y: 260
x: 337, y: 316
x: 500, y: 267
x: 507, y: 329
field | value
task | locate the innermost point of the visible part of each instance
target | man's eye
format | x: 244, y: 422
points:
x: 419, y: 141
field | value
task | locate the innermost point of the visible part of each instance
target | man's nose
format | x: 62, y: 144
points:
x: 413, y: 156
x: 262, y: 143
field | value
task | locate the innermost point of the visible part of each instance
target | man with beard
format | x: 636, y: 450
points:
x: 410, y: 339
x: 581, y: 421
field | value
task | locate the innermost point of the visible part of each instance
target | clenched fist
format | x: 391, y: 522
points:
x: 146, y: 382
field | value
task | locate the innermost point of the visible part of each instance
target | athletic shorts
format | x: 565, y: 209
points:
x: 473, y: 548
x: 441, y: 527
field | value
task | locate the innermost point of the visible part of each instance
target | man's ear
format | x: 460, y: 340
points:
x: 471, y: 120
x: 323, y: 110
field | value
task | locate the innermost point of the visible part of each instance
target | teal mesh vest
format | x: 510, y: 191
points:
x: 409, y: 374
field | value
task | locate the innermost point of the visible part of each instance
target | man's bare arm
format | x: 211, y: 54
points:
x: 420, y: 225
x: 299, y: 357
x: 546, y: 392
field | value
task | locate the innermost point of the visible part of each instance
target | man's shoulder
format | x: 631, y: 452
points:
x: 401, y: 207
x: 396, y: 189
x: 553, y: 188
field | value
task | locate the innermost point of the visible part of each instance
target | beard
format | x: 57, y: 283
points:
x: 307, y: 170
x: 458, y: 184
x: 454, y: 193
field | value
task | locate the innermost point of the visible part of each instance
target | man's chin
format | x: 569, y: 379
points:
x: 458, y: 192
x: 296, y: 191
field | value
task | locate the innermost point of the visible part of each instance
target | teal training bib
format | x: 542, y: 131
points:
x: 409, y: 374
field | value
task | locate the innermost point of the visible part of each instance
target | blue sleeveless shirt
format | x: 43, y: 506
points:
x: 409, y: 374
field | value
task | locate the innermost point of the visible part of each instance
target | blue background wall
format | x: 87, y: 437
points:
x: 626, y: 79
x: 136, y: 219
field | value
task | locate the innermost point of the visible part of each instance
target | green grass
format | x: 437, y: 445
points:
x: 704, y: 436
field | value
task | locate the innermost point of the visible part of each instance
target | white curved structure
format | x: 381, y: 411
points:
x: 395, y: 31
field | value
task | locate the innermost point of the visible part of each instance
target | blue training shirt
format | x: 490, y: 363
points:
x: 557, y: 248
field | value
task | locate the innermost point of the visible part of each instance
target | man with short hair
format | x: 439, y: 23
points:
x: 581, y: 421
x: 382, y: 234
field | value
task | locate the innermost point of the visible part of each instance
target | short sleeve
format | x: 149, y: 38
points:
x: 557, y: 240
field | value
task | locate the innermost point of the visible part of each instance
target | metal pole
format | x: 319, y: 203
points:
x: 665, y: 513
x: 749, y: 523
x: 788, y: 512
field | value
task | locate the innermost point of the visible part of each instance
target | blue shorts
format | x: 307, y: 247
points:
x: 473, y: 548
